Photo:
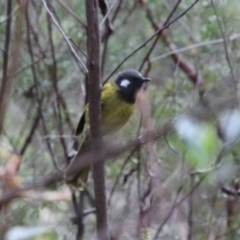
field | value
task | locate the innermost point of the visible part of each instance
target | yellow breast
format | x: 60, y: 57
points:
x: 115, y: 111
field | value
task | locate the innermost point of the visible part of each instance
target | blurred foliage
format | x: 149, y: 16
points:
x: 171, y: 94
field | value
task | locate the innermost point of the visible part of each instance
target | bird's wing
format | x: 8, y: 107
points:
x: 81, y: 122
x: 107, y: 91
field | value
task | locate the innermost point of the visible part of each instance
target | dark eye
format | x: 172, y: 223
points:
x: 125, y: 83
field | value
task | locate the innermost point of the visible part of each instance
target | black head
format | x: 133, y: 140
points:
x: 129, y: 83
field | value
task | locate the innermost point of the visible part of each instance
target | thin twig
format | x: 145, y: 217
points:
x: 85, y: 55
x: 111, y: 152
x: 196, y: 45
x: 177, y: 203
x: 159, y: 35
x: 234, y: 82
x: 69, y: 10
x: 38, y: 96
x: 149, y: 39
x: 117, y: 10
x: 53, y: 75
x: 10, y: 15
x: 81, y: 64
x: 31, y: 132
x: 119, y: 175
x: 107, y: 14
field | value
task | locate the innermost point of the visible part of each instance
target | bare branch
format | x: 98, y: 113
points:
x: 159, y: 35
x: 234, y: 82
x: 68, y: 9
x: 6, y: 82
x: 81, y: 64
x: 107, y: 14
x: 94, y: 95
x: 152, y: 37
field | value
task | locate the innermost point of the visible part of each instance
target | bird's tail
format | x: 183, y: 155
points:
x: 78, y: 179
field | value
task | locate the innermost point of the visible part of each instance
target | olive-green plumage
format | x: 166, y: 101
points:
x: 117, y: 103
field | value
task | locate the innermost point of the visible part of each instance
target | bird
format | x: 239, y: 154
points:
x: 118, y: 100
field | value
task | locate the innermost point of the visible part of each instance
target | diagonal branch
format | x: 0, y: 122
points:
x: 81, y: 64
x: 150, y: 39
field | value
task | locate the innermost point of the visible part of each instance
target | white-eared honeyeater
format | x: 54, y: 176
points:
x: 117, y: 103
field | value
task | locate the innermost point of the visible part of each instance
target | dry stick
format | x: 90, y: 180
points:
x: 53, y: 76
x: 66, y: 113
x: 140, y: 224
x: 146, y: 58
x: 31, y: 133
x: 127, y: 16
x: 81, y: 64
x: 81, y: 214
x: 10, y: 15
x: 107, y: 13
x: 13, y: 59
x: 181, y: 23
x: 69, y: 10
x: 5, y: 86
x: 190, y: 213
x: 108, y: 30
x: 183, y: 63
x: 78, y: 220
x: 140, y: 206
x: 152, y: 165
x: 104, y: 55
x: 94, y: 95
x: 232, y: 212
x: 117, y: 10
x: 119, y: 175
x: 193, y: 46
x: 76, y: 46
x: 28, y: 66
x: 234, y: 82
x: 111, y: 152
x: 78, y: 207
x: 36, y: 83
x: 35, y: 33
x: 152, y: 37
x: 177, y: 203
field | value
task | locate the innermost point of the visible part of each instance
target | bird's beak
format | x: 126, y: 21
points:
x: 146, y: 79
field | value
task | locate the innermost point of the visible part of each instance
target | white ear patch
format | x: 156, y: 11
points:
x: 124, y: 83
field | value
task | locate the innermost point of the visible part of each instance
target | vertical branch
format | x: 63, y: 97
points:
x: 234, y: 82
x: 78, y: 219
x: 53, y: 76
x: 80, y: 214
x: 38, y: 97
x: 94, y: 94
x: 108, y: 30
x: 190, y: 213
x: 5, y: 86
x: 232, y: 205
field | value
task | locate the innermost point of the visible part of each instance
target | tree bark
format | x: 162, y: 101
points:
x: 94, y: 95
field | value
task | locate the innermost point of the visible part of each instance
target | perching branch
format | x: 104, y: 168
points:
x: 109, y: 153
x: 94, y: 95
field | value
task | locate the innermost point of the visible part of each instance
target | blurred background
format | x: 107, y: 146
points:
x: 184, y: 183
